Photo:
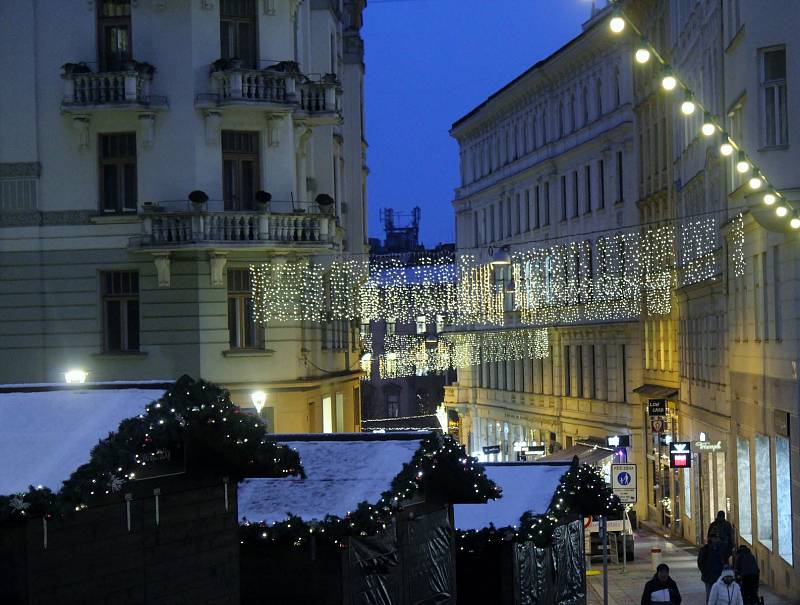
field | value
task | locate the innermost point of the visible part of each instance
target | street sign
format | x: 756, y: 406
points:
x: 680, y: 454
x: 611, y: 525
x: 657, y: 407
x: 657, y: 424
x: 491, y: 449
x: 623, y: 482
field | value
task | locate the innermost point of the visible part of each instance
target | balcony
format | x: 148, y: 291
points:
x: 85, y: 90
x: 280, y: 87
x: 164, y: 230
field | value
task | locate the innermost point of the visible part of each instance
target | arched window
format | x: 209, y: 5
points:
x: 532, y: 138
x: 598, y: 97
x: 616, y: 87
x: 572, y: 124
x: 585, y: 106
x: 524, y: 134
x: 560, y: 119
x: 544, y: 125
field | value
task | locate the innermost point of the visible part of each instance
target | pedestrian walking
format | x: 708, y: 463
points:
x: 725, y: 591
x: 747, y: 572
x: 661, y: 588
x: 710, y: 561
x: 723, y: 528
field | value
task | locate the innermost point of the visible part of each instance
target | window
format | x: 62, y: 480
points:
x: 567, y: 372
x: 579, y: 371
x: 338, y: 417
x: 598, y: 97
x: 572, y: 121
x: 563, y: 197
x: 592, y: 372
x: 327, y: 414
x: 743, y: 481
x: 237, y: 31
x: 114, y: 34
x: 518, y: 214
x: 118, y: 172
x: 574, y: 193
x: 616, y: 87
x: 547, y: 203
x: 240, y: 169
x: 776, y: 292
x: 763, y: 491
x: 544, y: 126
x: 759, y: 292
x: 243, y: 330
x: 773, y: 96
x: 783, y: 468
x: 588, y: 185
x: 536, y: 204
x: 561, y: 119
x: 508, y: 217
x: 527, y: 210
x: 421, y: 324
x: 392, y: 405
x: 602, y: 184
x: 120, y: 311
x: 390, y: 327
x: 620, y: 189
x: 585, y: 106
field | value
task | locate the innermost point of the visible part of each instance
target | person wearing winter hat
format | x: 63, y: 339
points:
x: 661, y: 588
x: 725, y: 591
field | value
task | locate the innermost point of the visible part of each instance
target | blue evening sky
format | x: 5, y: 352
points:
x: 429, y: 62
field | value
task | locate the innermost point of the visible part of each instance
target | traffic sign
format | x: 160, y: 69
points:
x: 623, y: 482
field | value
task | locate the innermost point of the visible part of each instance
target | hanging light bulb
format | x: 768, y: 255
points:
x: 708, y: 127
x: 742, y: 165
x: 726, y: 148
x: 795, y: 222
x: 642, y: 54
x: 668, y: 82
x: 688, y: 106
x: 769, y: 198
x: 781, y: 210
x: 617, y: 23
x: 756, y: 180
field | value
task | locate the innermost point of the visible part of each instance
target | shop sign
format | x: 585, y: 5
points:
x: 657, y: 407
x: 709, y: 446
x: 491, y: 449
x: 658, y: 425
x: 623, y: 482
x: 536, y: 450
x: 618, y: 441
x: 680, y: 454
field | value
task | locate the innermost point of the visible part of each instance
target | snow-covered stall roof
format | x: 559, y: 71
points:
x: 46, y: 433
x: 342, y: 470
x: 526, y: 487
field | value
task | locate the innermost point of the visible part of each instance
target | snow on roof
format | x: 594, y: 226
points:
x: 526, y: 487
x: 46, y: 435
x: 340, y: 474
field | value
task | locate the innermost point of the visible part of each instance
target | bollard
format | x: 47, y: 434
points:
x: 655, y: 558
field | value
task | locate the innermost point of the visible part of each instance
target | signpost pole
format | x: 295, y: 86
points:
x: 604, y: 537
x: 624, y: 543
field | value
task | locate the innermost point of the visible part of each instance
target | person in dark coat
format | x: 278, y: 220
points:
x: 710, y: 561
x: 661, y: 588
x: 747, y: 572
x: 723, y: 528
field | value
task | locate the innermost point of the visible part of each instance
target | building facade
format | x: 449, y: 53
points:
x: 545, y: 161
x: 151, y: 152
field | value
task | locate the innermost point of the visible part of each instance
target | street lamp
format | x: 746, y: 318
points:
x: 499, y: 257
x: 75, y: 376
x: 259, y: 398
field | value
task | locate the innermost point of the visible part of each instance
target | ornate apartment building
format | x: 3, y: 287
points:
x: 550, y: 159
x: 151, y: 152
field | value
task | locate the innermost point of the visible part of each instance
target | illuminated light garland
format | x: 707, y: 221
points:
x: 699, y: 242
x: 460, y: 350
x: 346, y: 278
x: 737, y: 259
x: 292, y: 290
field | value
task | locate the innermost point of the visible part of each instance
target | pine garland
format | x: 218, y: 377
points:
x: 196, y: 415
x: 439, y: 465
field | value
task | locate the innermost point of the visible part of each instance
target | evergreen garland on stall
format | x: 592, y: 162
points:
x: 582, y: 492
x: 440, y: 465
x: 194, y: 416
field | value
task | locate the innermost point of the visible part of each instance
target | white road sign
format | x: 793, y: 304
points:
x: 623, y: 482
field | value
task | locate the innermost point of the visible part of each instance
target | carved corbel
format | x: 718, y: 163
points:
x: 274, y: 129
x: 81, y: 126
x: 147, y: 128
x: 213, y: 119
x: 217, y: 262
x: 162, y: 263
x: 303, y: 134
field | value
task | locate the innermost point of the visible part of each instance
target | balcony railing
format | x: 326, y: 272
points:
x: 109, y: 88
x: 235, y: 227
x: 277, y: 87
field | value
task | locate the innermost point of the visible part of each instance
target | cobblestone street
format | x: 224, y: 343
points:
x: 626, y: 588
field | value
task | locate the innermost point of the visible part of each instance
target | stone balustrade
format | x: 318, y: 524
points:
x: 268, y: 86
x: 112, y: 87
x: 244, y: 227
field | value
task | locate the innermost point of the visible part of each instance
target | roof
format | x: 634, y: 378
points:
x: 342, y: 470
x: 656, y: 391
x: 587, y: 453
x: 46, y: 434
x: 527, y: 487
x: 531, y: 69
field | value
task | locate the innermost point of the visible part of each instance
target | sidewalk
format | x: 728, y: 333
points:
x: 626, y: 589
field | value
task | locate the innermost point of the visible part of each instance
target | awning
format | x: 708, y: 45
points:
x: 587, y: 453
x: 656, y: 391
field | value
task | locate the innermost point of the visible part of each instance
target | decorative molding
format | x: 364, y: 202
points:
x: 81, y: 126
x: 162, y: 263
x: 27, y: 218
x: 16, y: 170
x: 274, y: 129
x: 147, y: 128
x: 213, y: 119
x: 293, y: 6
x: 217, y: 262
